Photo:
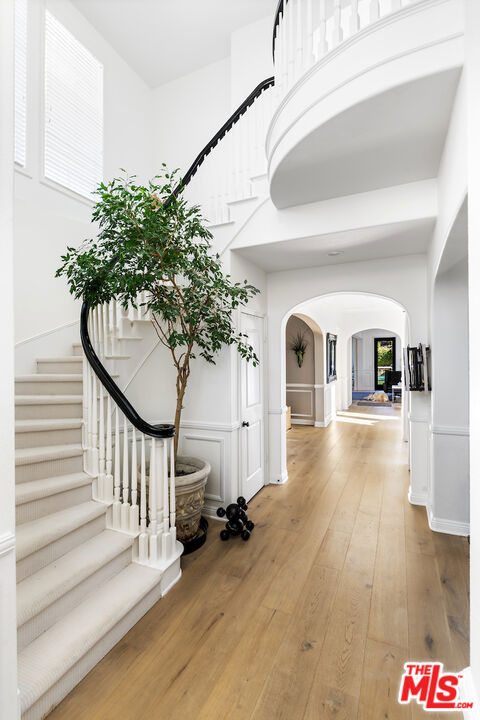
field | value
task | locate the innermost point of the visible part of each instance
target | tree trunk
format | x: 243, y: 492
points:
x: 178, y: 413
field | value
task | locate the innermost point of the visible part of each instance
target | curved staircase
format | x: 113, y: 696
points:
x: 79, y: 589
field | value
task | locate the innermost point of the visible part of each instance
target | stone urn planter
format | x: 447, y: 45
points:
x: 190, y: 481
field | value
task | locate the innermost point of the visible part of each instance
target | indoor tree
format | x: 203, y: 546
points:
x: 151, y: 239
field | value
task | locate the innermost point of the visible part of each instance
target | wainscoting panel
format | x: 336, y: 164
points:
x: 214, y: 443
x: 301, y: 398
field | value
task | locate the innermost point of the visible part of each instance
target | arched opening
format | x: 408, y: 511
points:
x: 339, y: 316
x: 304, y: 371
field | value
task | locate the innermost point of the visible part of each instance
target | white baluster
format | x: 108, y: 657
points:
x: 298, y: 38
x: 143, y: 539
x: 134, y: 507
x: 308, y: 54
x: 101, y: 445
x: 89, y: 419
x: 85, y: 367
x: 284, y: 55
x: 172, y: 492
x: 291, y: 43
x: 166, y: 509
x: 374, y: 10
x: 125, y: 483
x: 152, y: 503
x: 114, y: 328
x: 337, y: 22
x: 106, y: 313
x: 95, y: 432
x: 322, y: 34
x: 108, y: 492
x: 117, y: 506
x: 354, y: 18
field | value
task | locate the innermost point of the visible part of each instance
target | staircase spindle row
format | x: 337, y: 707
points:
x: 130, y: 469
x: 308, y: 29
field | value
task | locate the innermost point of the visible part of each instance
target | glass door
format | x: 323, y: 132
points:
x: 384, y: 359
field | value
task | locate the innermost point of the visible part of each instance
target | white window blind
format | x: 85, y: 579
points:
x: 21, y: 82
x: 73, y: 111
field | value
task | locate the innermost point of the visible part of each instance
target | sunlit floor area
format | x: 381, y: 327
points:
x: 341, y: 583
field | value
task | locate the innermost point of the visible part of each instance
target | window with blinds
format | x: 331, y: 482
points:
x: 73, y: 111
x: 21, y: 82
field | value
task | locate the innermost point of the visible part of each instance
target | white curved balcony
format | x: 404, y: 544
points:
x: 365, y: 90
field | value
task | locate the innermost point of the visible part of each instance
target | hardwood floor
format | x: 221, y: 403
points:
x: 341, y: 583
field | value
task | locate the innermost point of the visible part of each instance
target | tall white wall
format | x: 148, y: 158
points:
x: 8, y: 644
x: 252, y: 59
x: 473, y: 118
x: 48, y: 217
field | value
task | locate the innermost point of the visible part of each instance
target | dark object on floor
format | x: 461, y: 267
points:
x: 392, y: 377
x: 198, y: 540
x: 237, y: 520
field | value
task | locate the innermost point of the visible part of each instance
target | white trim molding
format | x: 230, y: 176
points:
x: 280, y: 479
x: 450, y: 430
x: 7, y: 544
x: 216, y: 427
x: 298, y: 420
x: 450, y: 527
x: 416, y: 498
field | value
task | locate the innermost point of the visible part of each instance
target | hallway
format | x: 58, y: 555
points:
x: 341, y: 583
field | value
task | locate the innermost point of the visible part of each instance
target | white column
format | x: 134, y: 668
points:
x: 8, y: 644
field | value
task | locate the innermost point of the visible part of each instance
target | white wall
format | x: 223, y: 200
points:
x: 473, y: 116
x: 365, y: 367
x: 252, y: 59
x: 47, y: 218
x: 187, y: 112
x: 8, y: 644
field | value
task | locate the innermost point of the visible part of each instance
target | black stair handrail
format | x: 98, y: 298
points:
x: 165, y: 430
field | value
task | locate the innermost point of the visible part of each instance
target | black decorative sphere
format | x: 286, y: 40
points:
x: 237, y: 520
x: 232, y: 511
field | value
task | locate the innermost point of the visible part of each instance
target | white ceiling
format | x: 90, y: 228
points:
x: 382, y: 241
x: 165, y: 39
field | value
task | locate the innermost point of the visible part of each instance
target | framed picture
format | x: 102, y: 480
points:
x: 331, y: 357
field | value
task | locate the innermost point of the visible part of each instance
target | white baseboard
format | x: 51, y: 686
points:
x: 450, y: 527
x: 300, y: 421
x: 324, y: 423
x: 416, y: 498
x: 279, y: 479
x: 468, y: 694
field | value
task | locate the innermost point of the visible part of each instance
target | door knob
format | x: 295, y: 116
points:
x: 245, y: 424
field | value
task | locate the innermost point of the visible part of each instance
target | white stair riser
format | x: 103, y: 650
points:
x: 42, y: 438
x: 35, y: 509
x: 50, y: 615
x: 71, y: 678
x: 48, y: 411
x: 39, y: 559
x: 57, y: 366
x: 53, y: 387
x: 48, y: 468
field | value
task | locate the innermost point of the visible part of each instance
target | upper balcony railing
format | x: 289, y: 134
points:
x: 306, y: 30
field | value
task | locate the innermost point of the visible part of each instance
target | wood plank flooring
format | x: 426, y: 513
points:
x: 341, y: 583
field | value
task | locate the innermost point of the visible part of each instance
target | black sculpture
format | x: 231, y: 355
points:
x: 237, y: 520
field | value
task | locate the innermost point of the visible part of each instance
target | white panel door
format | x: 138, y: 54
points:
x: 252, y: 417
